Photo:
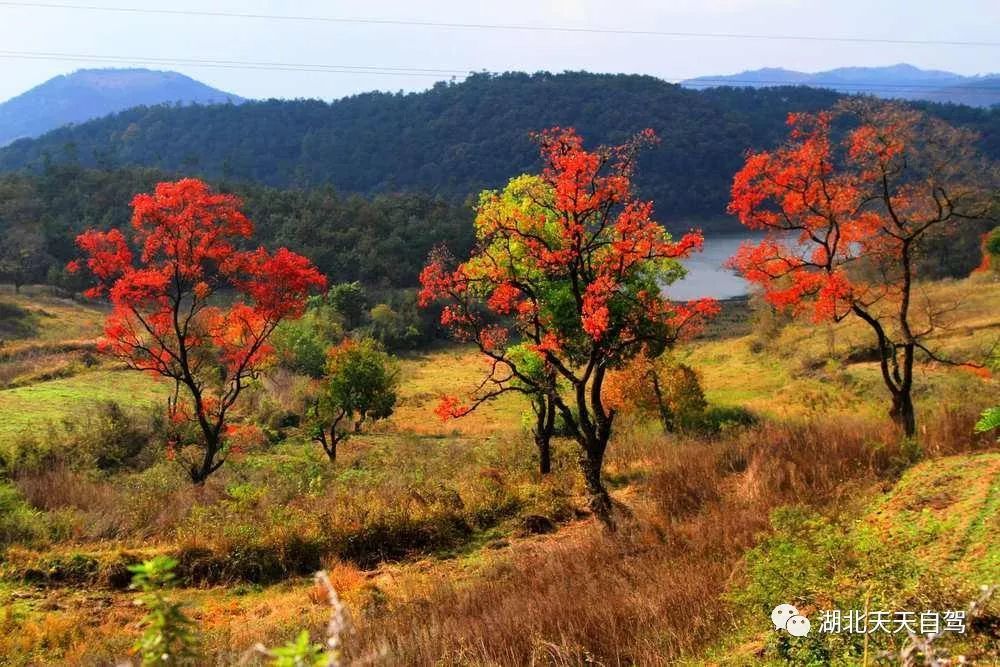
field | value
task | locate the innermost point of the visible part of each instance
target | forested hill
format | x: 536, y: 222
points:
x: 455, y: 139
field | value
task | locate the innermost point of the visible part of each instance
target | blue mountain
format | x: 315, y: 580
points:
x: 92, y: 93
x: 895, y: 81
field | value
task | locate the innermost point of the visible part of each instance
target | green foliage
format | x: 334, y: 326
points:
x: 766, y: 323
x: 23, y: 258
x: 450, y: 139
x: 992, y: 244
x: 350, y: 302
x: 301, y: 344
x: 301, y: 652
x: 719, y: 418
x: 16, y: 322
x: 19, y: 523
x: 683, y: 395
x: 106, y: 436
x: 168, y: 638
x: 927, y: 544
x: 361, y: 382
x: 990, y: 421
x: 393, y: 329
x: 381, y: 241
x: 801, y: 563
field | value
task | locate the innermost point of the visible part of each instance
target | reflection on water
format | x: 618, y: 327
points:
x: 706, y: 274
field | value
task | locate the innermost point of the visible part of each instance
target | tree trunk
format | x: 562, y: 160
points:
x: 666, y: 418
x: 902, y: 400
x: 544, y: 454
x: 330, y: 445
x: 598, y: 498
x: 545, y: 418
x: 208, y: 463
x: 902, y: 413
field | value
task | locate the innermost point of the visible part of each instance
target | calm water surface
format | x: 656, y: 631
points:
x: 706, y: 274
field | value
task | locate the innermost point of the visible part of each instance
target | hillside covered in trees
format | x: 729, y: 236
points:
x: 455, y: 139
x: 381, y: 240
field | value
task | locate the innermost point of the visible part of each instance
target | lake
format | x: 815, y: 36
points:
x: 707, y: 277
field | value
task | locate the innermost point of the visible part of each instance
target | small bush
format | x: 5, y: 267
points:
x: 168, y: 638
x: 719, y: 418
x: 19, y: 523
x: 301, y: 344
x: 109, y: 437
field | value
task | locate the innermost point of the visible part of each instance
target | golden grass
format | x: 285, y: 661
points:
x: 455, y: 371
x: 654, y: 594
x: 796, y: 376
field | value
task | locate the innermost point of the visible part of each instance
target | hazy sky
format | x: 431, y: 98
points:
x: 135, y: 36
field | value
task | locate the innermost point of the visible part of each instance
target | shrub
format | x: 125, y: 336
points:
x: 108, y: 437
x: 19, y: 523
x: 168, y: 638
x: 392, y: 329
x: 991, y: 248
x: 766, y: 323
x: 718, y: 418
x: 300, y: 345
x: 360, y: 387
x: 350, y: 302
x: 663, y: 388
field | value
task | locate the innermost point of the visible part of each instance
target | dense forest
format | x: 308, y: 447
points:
x: 457, y: 138
x: 381, y: 240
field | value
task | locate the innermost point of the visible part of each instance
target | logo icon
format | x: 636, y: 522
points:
x: 787, y: 617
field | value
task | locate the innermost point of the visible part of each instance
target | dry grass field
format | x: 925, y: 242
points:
x: 431, y: 533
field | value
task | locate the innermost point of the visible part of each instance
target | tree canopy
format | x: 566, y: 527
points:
x: 570, y: 265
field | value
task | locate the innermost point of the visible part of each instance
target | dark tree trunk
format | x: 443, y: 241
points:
x: 208, y: 463
x: 598, y: 498
x: 898, y: 377
x: 544, y: 454
x: 545, y: 419
x: 902, y: 413
x: 666, y: 417
x: 330, y: 444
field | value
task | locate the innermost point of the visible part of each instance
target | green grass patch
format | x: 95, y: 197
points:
x: 33, y: 406
x: 928, y: 544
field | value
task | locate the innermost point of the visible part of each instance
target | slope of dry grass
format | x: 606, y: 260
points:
x: 421, y: 523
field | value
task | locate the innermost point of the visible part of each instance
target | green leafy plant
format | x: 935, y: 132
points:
x: 989, y: 421
x: 169, y: 637
x: 360, y: 386
x: 301, y: 652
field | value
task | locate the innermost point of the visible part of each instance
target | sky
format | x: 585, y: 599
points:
x: 140, y: 39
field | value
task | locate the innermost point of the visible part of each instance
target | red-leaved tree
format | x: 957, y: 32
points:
x: 189, y: 305
x: 848, y: 220
x: 564, y: 284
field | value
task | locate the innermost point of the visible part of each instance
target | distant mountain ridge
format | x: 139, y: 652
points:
x: 91, y: 93
x: 457, y: 138
x: 900, y: 81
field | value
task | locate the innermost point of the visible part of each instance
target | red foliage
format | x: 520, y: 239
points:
x: 167, y: 317
x: 846, y: 220
x: 449, y: 407
x: 565, y: 283
x: 599, y: 238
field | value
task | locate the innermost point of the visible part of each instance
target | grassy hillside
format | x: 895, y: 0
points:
x: 50, y: 369
x: 927, y: 543
x: 447, y: 546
